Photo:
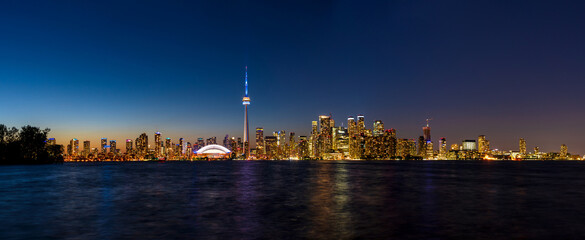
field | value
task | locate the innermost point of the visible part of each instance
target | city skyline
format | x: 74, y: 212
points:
x: 499, y: 69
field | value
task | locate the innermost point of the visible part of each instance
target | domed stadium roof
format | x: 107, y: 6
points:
x: 213, y: 149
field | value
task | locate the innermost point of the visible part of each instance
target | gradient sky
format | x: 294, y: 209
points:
x: 115, y: 69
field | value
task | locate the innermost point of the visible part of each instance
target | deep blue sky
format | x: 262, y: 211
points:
x: 505, y: 69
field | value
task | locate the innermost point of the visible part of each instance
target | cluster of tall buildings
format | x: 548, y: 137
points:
x: 325, y: 141
x: 357, y: 141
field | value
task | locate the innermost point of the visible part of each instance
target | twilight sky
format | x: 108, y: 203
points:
x: 115, y: 69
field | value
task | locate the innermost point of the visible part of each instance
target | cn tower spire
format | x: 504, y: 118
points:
x: 246, y: 81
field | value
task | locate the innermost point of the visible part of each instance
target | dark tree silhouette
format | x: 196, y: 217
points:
x: 27, y: 146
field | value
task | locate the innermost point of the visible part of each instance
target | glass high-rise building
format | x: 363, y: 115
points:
x: 113, y: 148
x: 260, y: 140
x: 74, y: 147
x: 361, y: 125
x: 443, y: 148
x: 86, y: 148
x: 483, y: 145
x: 103, y: 144
x: 378, y: 129
x: 522, y: 146
x: 314, y: 146
x: 326, y: 134
x: 128, y: 146
x: 564, y: 152
x: 157, y: 143
x: 469, y: 145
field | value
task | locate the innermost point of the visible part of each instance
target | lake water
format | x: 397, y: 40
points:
x: 294, y: 199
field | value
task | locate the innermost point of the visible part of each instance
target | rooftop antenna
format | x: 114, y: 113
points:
x: 428, y: 120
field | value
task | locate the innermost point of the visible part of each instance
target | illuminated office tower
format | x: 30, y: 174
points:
x: 522, y: 146
x: 390, y: 143
x: 314, y: 139
x: 260, y: 140
x: 334, y: 137
x: 351, y: 126
x: 189, y: 149
x: 536, y: 150
x: 430, y: 151
x: 200, y: 143
x: 406, y: 148
x: 168, y: 146
x: 103, y: 144
x: 51, y: 141
x: 378, y: 129
x: 157, y: 143
x: 401, y: 147
x: 303, y: 148
x: 564, y: 153
x: 455, y: 147
x: 234, y: 145
x: 427, y: 132
x: 86, y: 148
x: 483, y: 145
x: 411, y: 147
x: 181, y: 147
x: 226, y: 142
x: 128, y: 146
x: 352, y: 132
x: 442, y: 148
x: 361, y: 125
x: 246, y: 102
x: 280, y: 137
x: 469, y: 145
x: 113, y: 148
x: 271, y: 148
x: 74, y: 147
x: 292, y: 145
x: 342, y: 141
x: 326, y: 133
x: 143, y: 149
x: 421, y: 147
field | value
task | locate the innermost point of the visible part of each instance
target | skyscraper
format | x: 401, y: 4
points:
x: 442, y: 148
x: 314, y: 146
x: 181, y: 147
x: 128, y: 146
x: 522, y: 146
x: 168, y: 146
x: 103, y: 144
x: 326, y: 134
x: 351, y: 126
x: 157, y: 143
x: 246, y: 102
x: 74, y: 147
x: 259, y: 140
x: 427, y: 132
x: 86, y: 148
x: 361, y: 125
x: 469, y: 145
x: 482, y: 144
x: 378, y: 129
x: 142, y: 144
x: 564, y: 152
x: 113, y: 146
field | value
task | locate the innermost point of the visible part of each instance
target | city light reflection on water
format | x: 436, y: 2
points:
x: 293, y: 199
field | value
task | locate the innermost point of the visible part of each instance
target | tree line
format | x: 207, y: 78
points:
x: 27, y: 145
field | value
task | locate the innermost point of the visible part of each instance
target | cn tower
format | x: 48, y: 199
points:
x: 246, y: 102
